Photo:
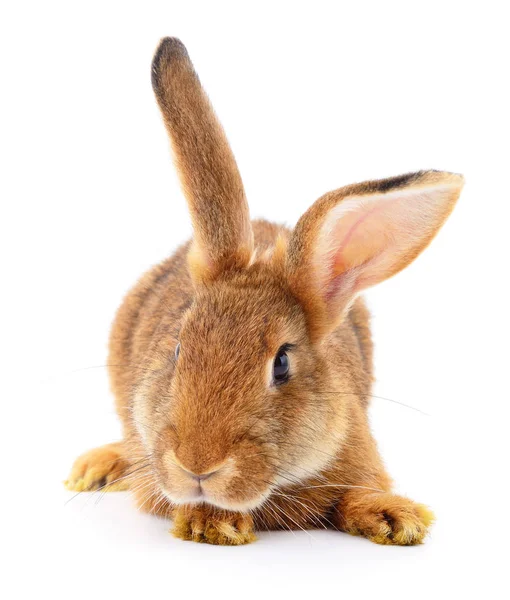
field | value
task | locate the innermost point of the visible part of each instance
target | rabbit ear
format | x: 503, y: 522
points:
x: 357, y: 236
x: 223, y: 238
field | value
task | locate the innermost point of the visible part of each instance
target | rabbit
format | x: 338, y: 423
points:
x: 242, y: 365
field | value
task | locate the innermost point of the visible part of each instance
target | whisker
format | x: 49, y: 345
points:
x: 162, y: 500
x: 314, y: 516
x: 310, y: 474
x: 90, y: 488
x: 127, y: 475
x: 287, y: 516
x: 334, y: 456
x: 363, y: 487
x: 380, y: 398
x: 281, y: 523
x: 154, y: 494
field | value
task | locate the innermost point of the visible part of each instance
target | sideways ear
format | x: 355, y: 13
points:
x: 357, y: 236
x: 207, y: 169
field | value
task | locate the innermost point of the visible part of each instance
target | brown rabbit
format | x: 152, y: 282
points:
x: 242, y: 365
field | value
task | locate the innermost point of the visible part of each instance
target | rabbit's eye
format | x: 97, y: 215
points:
x: 281, y: 366
x: 177, y: 350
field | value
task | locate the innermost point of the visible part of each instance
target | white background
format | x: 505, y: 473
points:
x: 313, y: 96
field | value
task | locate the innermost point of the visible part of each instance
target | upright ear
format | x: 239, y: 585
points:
x: 357, y: 236
x: 223, y: 238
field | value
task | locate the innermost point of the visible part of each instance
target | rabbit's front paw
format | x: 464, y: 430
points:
x: 385, y: 518
x: 209, y: 525
x: 102, y: 467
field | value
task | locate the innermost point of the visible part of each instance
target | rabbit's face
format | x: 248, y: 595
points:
x: 243, y: 410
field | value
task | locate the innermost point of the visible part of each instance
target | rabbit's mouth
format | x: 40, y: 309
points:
x: 224, y: 485
x: 201, y: 496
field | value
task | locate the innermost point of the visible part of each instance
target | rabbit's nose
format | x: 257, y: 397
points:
x: 201, y: 477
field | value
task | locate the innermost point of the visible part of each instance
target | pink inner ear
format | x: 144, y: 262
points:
x: 341, y: 284
x: 346, y: 230
x: 367, y: 238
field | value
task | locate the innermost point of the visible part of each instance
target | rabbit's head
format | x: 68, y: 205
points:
x: 250, y: 402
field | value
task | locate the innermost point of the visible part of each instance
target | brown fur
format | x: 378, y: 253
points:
x: 297, y: 455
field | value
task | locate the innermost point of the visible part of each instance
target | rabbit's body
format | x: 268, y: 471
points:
x: 242, y: 365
